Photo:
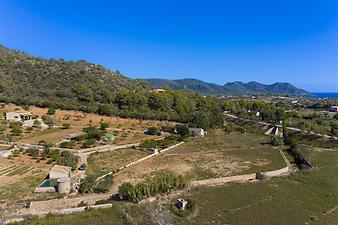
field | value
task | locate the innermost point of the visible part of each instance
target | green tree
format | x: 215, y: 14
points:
x: 51, y: 111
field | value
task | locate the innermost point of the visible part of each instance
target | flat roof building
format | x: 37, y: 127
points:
x: 58, y: 171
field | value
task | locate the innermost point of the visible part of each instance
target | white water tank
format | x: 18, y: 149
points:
x: 63, y: 186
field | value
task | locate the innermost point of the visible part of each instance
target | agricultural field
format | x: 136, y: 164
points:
x: 19, y: 176
x: 216, y: 155
x: 305, y: 197
x: 102, y: 163
x: 126, y: 130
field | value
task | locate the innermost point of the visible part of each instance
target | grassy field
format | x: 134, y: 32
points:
x: 303, y: 198
x: 101, y: 163
x: 216, y: 155
x: 19, y: 176
x: 119, y: 214
x: 306, y: 197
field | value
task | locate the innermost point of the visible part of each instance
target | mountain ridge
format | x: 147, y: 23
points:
x: 229, y: 88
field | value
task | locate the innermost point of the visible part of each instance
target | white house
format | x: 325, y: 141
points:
x: 58, y: 171
x: 333, y: 108
x: 198, y: 132
x: 6, y: 153
x: 20, y: 116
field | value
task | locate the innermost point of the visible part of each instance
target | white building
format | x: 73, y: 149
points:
x: 20, y: 116
x: 6, y: 153
x: 333, y: 108
x: 198, y: 132
x: 58, y: 171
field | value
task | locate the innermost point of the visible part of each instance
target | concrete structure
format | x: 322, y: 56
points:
x: 70, y: 137
x: 154, y: 150
x: 181, y: 203
x: 20, y: 116
x: 58, y: 171
x: 6, y: 153
x: 197, y: 132
x: 45, y: 187
x: 333, y: 109
x: 63, y: 186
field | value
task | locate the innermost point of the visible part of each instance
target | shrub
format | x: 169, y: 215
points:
x: 151, y: 131
x: 87, y: 184
x: 104, y: 184
x: 104, y: 125
x: 89, y: 143
x: 276, y: 141
x: 33, y: 152
x: 228, y: 128
x: 68, y: 159
x: 69, y: 144
x: 51, y: 111
x: 161, y: 183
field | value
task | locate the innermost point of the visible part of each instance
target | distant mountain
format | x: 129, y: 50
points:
x: 230, y: 88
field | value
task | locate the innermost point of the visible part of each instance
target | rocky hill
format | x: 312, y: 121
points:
x: 24, y: 78
x: 230, y: 88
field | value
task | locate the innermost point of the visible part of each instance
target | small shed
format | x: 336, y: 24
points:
x: 58, y: 171
x: 70, y: 137
x: 6, y: 153
x: 197, y: 132
x: 181, y: 203
x: 110, y: 137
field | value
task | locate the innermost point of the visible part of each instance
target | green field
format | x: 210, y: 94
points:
x: 302, y: 198
x: 102, y: 163
x: 305, y: 197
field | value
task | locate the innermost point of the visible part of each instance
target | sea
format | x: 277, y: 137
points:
x: 324, y: 95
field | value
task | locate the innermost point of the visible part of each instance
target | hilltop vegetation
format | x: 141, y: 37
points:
x: 27, y: 80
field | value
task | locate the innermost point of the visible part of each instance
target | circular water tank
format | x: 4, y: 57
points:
x: 63, y: 185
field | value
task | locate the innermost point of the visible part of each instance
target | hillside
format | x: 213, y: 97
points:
x: 230, y: 88
x: 24, y: 78
x: 83, y: 86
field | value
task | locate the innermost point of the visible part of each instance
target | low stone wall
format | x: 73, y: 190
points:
x: 223, y: 180
x: 57, y: 212
x: 55, y: 204
x: 276, y: 173
x: 44, y: 190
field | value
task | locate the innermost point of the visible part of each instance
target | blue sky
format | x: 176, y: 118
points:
x: 217, y: 41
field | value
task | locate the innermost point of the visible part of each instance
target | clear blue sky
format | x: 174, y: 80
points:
x: 217, y: 41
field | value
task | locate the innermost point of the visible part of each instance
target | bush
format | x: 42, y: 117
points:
x: 276, y: 141
x: 148, y: 144
x: 228, y: 128
x: 87, y: 185
x: 69, y: 144
x: 161, y: 183
x: 104, y: 125
x: 68, y: 159
x: 15, y: 128
x: 182, y: 130
x: 104, y: 184
x: 51, y: 111
x: 89, y: 143
x: 92, y: 133
x: 33, y: 152
x: 151, y: 131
